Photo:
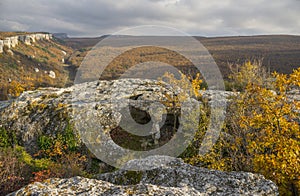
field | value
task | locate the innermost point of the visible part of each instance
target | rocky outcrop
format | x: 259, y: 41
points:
x: 47, y: 111
x: 173, y: 172
x: 172, y: 178
x: 85, y: 186
x: 10, y: 42
x: 25, y: 39
x: 13, y: 41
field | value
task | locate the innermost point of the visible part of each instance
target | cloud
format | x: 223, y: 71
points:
x: 200, y: 17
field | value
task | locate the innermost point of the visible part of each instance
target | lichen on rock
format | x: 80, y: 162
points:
x: 173, y: 178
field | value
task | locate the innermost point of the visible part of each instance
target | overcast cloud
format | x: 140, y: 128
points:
x: 195, y: 17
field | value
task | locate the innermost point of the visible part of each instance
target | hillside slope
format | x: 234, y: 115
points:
x: 26, y: 67
x: 279, y: 53
x: 32, y: 64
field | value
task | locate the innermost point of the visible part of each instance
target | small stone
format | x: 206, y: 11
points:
x: 52, y: 74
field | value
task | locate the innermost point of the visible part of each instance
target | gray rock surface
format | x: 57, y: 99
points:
x: 90, y: 187
x: 175, y: 173
x: 47, y: 111
x: 172, y: 178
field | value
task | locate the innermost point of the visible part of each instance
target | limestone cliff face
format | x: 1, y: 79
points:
x: 13, y: 41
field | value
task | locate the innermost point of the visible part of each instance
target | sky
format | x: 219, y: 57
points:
x: 194, y: 17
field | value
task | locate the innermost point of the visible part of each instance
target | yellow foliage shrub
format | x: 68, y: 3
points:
x: 249, y: 72
x: 262, y: 133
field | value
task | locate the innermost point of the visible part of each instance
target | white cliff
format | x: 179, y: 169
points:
x: 13, y: 41
x: 1, y: 46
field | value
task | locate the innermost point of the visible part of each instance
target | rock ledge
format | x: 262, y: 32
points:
x: 172, y: 178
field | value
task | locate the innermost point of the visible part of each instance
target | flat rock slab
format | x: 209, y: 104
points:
x: 171, y: 178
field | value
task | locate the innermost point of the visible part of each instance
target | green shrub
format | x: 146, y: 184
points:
x: 7, y: 139
x: 45, y: 142
x: 65, y: 142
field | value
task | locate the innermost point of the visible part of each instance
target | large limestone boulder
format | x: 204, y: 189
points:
x: 136, y: 110
x: 49, y: 110
x: 171, y: 178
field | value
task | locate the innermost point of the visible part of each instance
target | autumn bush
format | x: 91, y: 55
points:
x: 261, y: 133
x: 63, y: 151
x: 13, y: 173
x: 58, y: 157
x: 249, y: 72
